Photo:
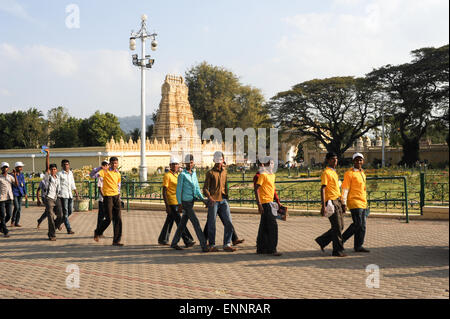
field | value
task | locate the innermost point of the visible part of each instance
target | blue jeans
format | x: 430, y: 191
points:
x: 17, y: 210
x: 222, y: 208
x: 5, y: 215
x: 66, y: 204
x: 188, y: 213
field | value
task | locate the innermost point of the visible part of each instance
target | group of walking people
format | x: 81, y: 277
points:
x: 181, y: 190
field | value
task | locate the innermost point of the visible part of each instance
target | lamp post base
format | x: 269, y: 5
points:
x: 142, y: 173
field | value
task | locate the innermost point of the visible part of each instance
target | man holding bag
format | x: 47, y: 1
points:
x: 330, y: 191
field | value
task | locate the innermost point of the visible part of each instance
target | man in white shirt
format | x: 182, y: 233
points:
x: 6, y: 196
x: 51, y: 198
x: 67, y: 185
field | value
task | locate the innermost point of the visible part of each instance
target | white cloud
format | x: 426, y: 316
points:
x: 15, y: 9
x: 82, y: 81
x: 353, y: 40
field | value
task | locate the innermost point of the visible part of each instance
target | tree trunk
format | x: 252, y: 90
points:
x: 410, y: 152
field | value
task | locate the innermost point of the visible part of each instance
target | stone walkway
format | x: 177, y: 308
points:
x: 413, y: 261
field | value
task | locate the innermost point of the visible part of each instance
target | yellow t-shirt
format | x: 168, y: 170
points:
x: 267, y: 189
x: 355, y: 182
x: 111, y: 180
x: 170, y: 181
x: 330, y: 179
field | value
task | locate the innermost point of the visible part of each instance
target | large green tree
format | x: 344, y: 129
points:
x: 99, y: 128
x: 334, y: 111
x: 418, y: 96
x: 219, y: 100
x: 21, y: 129
x: 67, y: 134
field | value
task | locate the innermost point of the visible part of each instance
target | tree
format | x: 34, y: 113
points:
x: 418, y: 95
x: 68, y: 134
x: 57, y: 117
x: 99, y: 128
x: 334, y: 111
x: 135, y: 134
x: 219, y: 100
x: 21, y: 129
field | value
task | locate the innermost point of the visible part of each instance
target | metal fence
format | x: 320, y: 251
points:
x: 384, y: 194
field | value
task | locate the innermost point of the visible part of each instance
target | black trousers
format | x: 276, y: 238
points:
x: 6, y: 208
x: 357, y: 228
x: 335, y: 233
x: 172, y: 217
x: 267, y: 240
x: 111, y: 210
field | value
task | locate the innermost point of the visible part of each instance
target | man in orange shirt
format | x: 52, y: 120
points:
x: 330, y: 191
x: 111, y: 201
x: 354, y: 197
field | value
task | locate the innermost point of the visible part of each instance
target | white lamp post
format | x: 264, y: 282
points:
x: 383, y: 162
x: 33, y: 156
x: 99, y: 154
x: 144, y: 63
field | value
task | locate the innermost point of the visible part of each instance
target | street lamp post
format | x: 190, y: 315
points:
x: 33, y: 156
x: 99, y: 154
x: 383, y: 162
x: 144, y: 62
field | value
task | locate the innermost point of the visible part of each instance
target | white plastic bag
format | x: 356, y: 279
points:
x: 329, y: 209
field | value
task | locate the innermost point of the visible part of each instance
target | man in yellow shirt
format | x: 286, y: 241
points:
x: 354, y: 197
x: 330, y: 191
x: 169, y: 191
x: 110, y: 191
x: 267, y: 240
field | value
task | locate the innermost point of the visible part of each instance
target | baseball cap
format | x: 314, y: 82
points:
x: 174, y: 160
x: 218, y: 156
x: 4, y: 164
x: 19, y: 164
x: 357, y: 155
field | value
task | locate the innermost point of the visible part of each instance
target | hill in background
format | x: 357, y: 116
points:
x: 129, y: 123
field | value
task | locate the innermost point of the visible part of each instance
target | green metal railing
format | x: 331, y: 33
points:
x: 390, y: 192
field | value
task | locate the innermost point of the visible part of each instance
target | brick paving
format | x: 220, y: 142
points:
x: 413, y: 260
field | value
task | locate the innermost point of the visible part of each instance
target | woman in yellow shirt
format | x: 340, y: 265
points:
x: 354, y: 197
x: 267, y: 240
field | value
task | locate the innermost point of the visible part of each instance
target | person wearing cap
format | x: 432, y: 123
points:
x: 330, y: 191
x: 169, y: 193
x: 19, y: 192
x: 187, y: 192
x: 6, y: 196
x: 65, y: 196
x: 216, y: 190
x: 354, y: 197
x: 101, y: 211
x: 234, y: 237
x: 267, y: 239
x: 52, y: 205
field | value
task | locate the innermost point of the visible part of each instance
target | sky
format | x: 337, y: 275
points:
x: 270, y: 45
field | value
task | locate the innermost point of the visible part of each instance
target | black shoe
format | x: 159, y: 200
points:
x: 238, y: 241
x: 163, y: 243
x: 339, y: 254
x: 321, y: 247
x: 52, y: 238
x: 70, y: 232
x: 176, y: 247
x: 192, y: 243
x: 6, y: 235
x: 117, y: 244
x: 362, y: 250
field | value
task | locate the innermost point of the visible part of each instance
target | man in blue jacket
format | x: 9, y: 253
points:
x: 188, y: 191
x: 19, y: 192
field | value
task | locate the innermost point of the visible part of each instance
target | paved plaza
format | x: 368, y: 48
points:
x: 413, y: 261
